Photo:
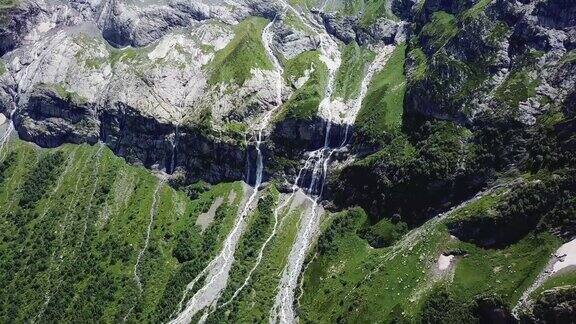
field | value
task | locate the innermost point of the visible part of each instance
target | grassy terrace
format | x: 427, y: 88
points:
x: 6, y: 5
x: 351, y: 282
x: 73, y: 222
x: 518, y: 87
x: 558, y: 280
x: 303, y: 103
x: 351, y: 72
x: 2, y: 67
x: 439, y: 30
x: 233, y: 64
x: 374, y: 9
x: 384, y: 102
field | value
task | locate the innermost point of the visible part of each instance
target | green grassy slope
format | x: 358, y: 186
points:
x: 303, y: 104
x: 71, y: 231
x: 351, y: 71
x: 233, y: 63
x: 351, y: 282
x: 383, y: 105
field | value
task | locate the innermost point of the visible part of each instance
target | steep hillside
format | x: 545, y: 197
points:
x: 287, y: 161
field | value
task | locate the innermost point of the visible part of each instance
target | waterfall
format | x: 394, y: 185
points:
x: 6, y: 136
x: 217, y: 270
x: 172, y: 166
x: 317, y: 165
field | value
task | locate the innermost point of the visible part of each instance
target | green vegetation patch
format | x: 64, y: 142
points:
x: 374, y: 9
x: 297, y: 67
x: 569, y: 57
x: 507, y: 272
x: 88, y: 49
x: 557, y: 280
x: 384, y: 233
x: 234, y: 63
x: 383, y: 105
x: 399, y: 151
x: 128, y: 54
x: 42, y: 177
x: 518, y: 87
x: 304, y: 102
x: 5, y: 6
x: 236, y: 130
x: 352, y: 7
x: 439, y: 30
x: 62, y: 91
x: 351, y: 72
x: 73, y: 224
x: 350, y: 282
x: 472, y: 13
x: 421, y: 62
x: 482, y: 206
x: 2, y: 67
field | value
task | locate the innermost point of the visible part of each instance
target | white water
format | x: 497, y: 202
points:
x: 309, y: 224
x: 277, y: 211
x: 218, y: 269
x: 153, y: 209
x: 173, y: 154
x: 6, y: 136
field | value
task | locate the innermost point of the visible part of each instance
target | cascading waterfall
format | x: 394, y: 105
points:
x: 6, y: 136
x: 217, y: 271
x: 276, y: 214
x: 172, y: 166
x: 282, y: 310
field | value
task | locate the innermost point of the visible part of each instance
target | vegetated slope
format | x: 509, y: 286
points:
x: 352, y: 279
x: 74, y: 222
x: 475, y: 110
x: 479, y: 109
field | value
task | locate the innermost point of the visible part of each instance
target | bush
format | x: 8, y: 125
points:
x: 440, y: 307
x: 41, y: 178
x: 348, y: 222
x: 188, y: 244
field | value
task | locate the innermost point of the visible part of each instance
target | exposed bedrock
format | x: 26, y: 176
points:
x: 509, y: 62
x: 349, y: 29
x: 52, y: 117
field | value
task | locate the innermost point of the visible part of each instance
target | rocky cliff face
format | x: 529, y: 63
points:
x: 158, y: 102
x: 501, y: 70
x: 477, y: 60
x: 350, y: 28
x: 553, y: 306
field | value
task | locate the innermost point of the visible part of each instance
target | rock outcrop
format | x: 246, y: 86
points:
x: 349, y: 29
x: 556, y: 305
x: 472, y: 61
x: 53, y: 117
x: 153, y: 105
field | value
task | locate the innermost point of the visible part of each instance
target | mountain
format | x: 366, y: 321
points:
x: 288, y: 160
